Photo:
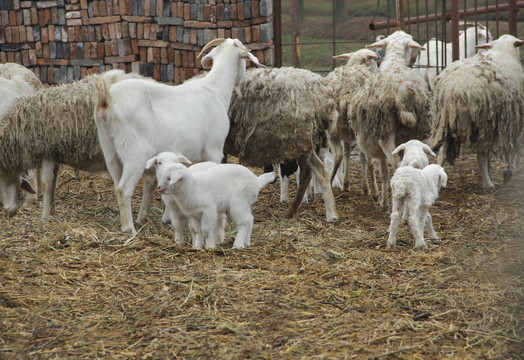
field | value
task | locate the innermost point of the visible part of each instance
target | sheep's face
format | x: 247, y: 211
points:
x: 10, y: 186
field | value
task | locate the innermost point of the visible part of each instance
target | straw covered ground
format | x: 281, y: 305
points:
x: 75, y: 287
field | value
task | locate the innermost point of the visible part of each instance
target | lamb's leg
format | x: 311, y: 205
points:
x: 242, y: 216
x: 431, y: 231
x: 395, y: 221
x: 208, y: 224
x: 305, y: 178
x: 415, y: 219
x: 124, y: 191
x: 148, y: 186
x: 320, y: 171
x: 49, y: 178
x: 178, y: 221
x: 196, y: 234
x: 384, y: 196
x: 483, y: 161
x: 221, y: 228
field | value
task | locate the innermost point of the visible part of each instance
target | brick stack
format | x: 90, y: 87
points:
x: 65, y: 40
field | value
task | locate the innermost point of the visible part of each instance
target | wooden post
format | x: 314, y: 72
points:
x: 454, y: 30
x: 295, y: 33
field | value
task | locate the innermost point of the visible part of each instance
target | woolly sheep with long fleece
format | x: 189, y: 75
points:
x: 416, y: 189
x: 138, y: 119
x: 50, y: 127
x: 280, y: 116
x: 9, y: 70
x: 344, y: 81
x: 391, y: 107
x: 480, y: 101
x: 204, y: 195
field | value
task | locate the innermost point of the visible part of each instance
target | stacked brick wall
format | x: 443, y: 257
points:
x: 63, y: 40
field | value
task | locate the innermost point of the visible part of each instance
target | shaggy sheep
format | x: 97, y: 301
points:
x: 281, y: 115
x: 479, y: 101
x: 416, y: 190
x: 204, y: 195
x: 390, y: 108
x: 10, y: 70
x: 137, y: 119
x: 172, y: 211
x: 50, y: 127
x: 430, y: 60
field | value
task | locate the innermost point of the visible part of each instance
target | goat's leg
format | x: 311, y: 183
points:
x: 124, y: 191
x: 148, y: 186
x: 395, y: 222
x: 178, y: 221
x: 484, y: 167
x: 208, y: 224
x: 305, y: 178
x: 197, y: 238
x: 221, y: 228
x: 384, y: 196
x: 321, y: 173
x: 243, y: 218
x: 49, y: 179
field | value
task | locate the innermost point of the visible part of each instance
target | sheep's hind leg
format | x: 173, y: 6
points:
x: 384, y: 196
x: 49, y: 179
x: 320, y: 171
x: 484, y: 167
x: 305, y: 178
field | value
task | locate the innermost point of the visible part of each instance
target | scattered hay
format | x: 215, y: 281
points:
x: 75, y: 287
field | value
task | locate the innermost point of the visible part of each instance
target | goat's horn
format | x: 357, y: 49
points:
x: 210, y: 44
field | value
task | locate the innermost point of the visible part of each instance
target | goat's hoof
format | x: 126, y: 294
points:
x: 421, y: 248
x: 332, y: 219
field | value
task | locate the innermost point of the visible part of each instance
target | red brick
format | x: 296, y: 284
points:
x: 159, y: 7
x: 187, y: 11
x: 124, y: 32
x: 156, y: 55
x: 34, y: 15
x: 118, y: 30
x: 25, y: 57
x: 255, y: 33
x: 180, y: 10
x: 147, y: 31
x: 134, y: 46
x: 8, y: 35
x: 119, y: 59
x: 113, y: 47
x: 255, y: 8
x: 44, y: 35
x: 45, y: 51
x: 44, y: 17
x: 32, y: 57
x: 174, y: 9
x: 193, y: 36
x: 105, y: 32
x: 156, y: 72
x: 74, y: 22
x: 54, y: 15
x: 95, y: 6
x: 112, y: 32
x: 140, y: 31
x: 91, y: 32
x: 22, y: 34
x: 137, y: 19
x: 3, y: 57
x: 149, y: 54
x: 83, y: 4
x: 172, y: 33
x: 84, y: 71
x: 240, y: 15
x: 87, y: 50
x: 132, y: 30
x: 100, y: 50
x: 73, y: 7
x: 247, y: 34
x: 57, y: 62
x: 143, y: 54
x: 15, y: 35
x: 30, y: 34
x: 38, y: 49
x: 170, y: 56
x: 234, y: 12
x: 153, y: 32
x: 103, y: 20
x: 51, y: 33
x: 147, y: 11
x: 154, y: 43
x: 102, y: 8
x: 213, y: 15
x: 224, y: 24
x: 12, y: 18
x: 178, y: 58
x: 199, y: 24
x: 51, y: 75
x: 163, y: 56
x: 11, y: 56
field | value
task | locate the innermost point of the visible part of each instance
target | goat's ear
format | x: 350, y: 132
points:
x: 378, y: 44
x: 399, y: 148
x: 443, y: 178
x: 485, y: 46
x: 252, y: 58
x: 428, y: 150
x: 372, y: 57
x: 207, y: 61
x: 342, y: 56
x: 151, y: 162
x: 175, y: 176
x: 518, y: 43
x: 415, y: 45
x: 26, y: 186
x: 183, y: 160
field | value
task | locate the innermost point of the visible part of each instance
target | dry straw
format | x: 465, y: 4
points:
x: 75, y: 287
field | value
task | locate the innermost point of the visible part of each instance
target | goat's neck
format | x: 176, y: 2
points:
x: 223, y: 75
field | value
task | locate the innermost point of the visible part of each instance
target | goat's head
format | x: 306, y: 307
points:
x: 398, y: 43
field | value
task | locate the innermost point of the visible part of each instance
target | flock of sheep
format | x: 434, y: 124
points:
x: 138, y: 128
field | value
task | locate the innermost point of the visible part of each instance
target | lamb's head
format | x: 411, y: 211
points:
x: 438, y: 173
x: 9, y: 190
x: 229, y: 52
x: 170, y: 177
x: 398, y: 49
x: 360, y: 57
x: 165, y: 158
x: 507, y: 44
x: 415, y: 153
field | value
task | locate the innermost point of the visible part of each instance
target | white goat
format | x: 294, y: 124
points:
x: 203, y: 195
x: 172, y: 211
x: 416, y: 189
x: 138, y: 119
x: 415, y: 154
x: 432, y: 60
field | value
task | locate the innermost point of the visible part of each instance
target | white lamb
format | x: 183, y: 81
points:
x: 415, y: 154
x: 203, y: 195
x: 416, y: 189
x: 172, y: 211
x: 137, y: 119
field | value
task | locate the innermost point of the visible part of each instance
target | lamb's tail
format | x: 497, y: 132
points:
x: 266, y: 178
x: 102, y: 95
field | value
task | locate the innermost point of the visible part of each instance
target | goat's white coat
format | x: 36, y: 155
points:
x: 416, y: 189
x: 203, y: 195
x: 137, y: 119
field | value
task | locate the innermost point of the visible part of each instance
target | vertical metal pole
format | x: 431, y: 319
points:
x: 444, y: 52
x: 454, y: 30
x: 334, y: 45
x: 497, y: 17
x: 277, y: 24
x: 436, y: 37
x: 389, y: 17
x: 408, y: 13
x: 295, y: 35
x: 512, y: 17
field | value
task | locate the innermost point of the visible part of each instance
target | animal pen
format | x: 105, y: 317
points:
x: 423, y: 19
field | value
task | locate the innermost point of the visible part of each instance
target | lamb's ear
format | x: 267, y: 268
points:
x: 183, y: 160
x: 428, y: 150
x: 399, y: 148
x: 175, y: 177
x: 26, y: 186
x: 443, y: 178
x: 151, y: 162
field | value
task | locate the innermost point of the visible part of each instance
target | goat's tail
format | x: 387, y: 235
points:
x: 266, y: 178
x: 102, y: 95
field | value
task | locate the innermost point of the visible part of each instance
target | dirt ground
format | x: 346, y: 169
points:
x: 74, y: 287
